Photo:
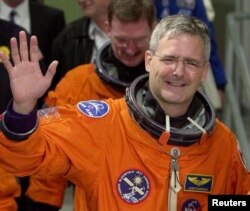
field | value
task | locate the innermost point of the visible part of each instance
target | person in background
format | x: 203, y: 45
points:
x: 36, y: 18
x: 80, y: 40
x: 155, y: 149
x: 118, y: 62
x: 197, y: 9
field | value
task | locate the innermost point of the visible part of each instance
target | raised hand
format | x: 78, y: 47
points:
x: 26, y: 79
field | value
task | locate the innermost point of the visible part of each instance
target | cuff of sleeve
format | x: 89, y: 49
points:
x: 18, y: 126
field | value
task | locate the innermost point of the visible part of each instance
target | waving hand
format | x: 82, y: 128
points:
x: 26, y: 79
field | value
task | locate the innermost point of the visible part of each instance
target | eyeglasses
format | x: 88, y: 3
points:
x: 139, y: 42
x: 189, y: 63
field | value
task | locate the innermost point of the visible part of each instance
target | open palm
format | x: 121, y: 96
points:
x: 26, y: 79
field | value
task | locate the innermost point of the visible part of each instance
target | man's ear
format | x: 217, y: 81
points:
x: 148, y: 58
x: 205, y: 72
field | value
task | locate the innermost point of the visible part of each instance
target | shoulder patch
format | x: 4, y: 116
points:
x: 93, y: 108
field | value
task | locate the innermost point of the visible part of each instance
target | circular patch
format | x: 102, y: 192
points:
x: 133, y: 186
x: 191, y: 205
x: 93, y: 108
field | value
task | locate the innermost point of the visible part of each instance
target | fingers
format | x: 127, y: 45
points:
x: 51, y: 70
x: 23, y: 45
x: 14, y: 51
x: 35, y: 54
x: 22, y: 53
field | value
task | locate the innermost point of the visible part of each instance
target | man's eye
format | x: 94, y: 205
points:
x: 168, y: 60
x: 120, y: 40
x: 192, y: 63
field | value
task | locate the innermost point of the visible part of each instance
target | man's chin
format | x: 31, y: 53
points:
x: 171, y: 97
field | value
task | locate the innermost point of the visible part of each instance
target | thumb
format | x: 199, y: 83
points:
x: 51, y: 70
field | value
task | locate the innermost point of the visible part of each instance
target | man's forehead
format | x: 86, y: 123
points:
x: 139, y: 27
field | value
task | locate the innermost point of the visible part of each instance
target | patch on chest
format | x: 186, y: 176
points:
x: 93, y: 108
x: 191, y: 205
x: 198, y: 183
x: 133, y: 186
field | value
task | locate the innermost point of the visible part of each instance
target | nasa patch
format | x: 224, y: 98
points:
x: 191, y: 205
x: 93, y: 108
x: 133, y: 186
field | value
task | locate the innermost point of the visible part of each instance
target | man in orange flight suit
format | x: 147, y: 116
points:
x: 157, y: 149
x: 117, y: 64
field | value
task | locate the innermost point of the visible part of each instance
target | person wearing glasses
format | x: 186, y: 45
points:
x: 157, y: 148
x: 196, y: 8
x: 117, y: 63
x: 216, y: 80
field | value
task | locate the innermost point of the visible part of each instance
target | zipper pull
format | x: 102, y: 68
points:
x: 174, y: 184
x: 174, y: 176
x: 174, y: 170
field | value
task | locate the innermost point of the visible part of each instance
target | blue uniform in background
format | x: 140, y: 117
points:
x: 197, y: 9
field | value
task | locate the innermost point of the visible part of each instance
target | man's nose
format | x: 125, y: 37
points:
x: 131, y: 47
x: 179, y: 67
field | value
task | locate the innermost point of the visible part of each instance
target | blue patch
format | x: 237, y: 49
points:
x: 191, y: 205
x: 93, y: 108
x: 198, y: 183
x: 133, y: 186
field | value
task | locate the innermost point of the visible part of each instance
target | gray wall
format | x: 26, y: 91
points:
x: 222, y: 8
